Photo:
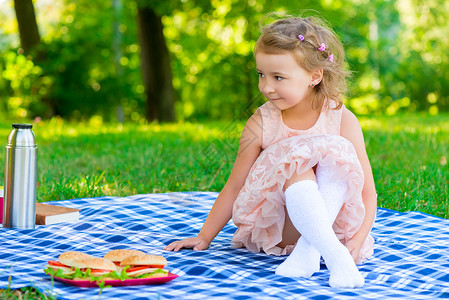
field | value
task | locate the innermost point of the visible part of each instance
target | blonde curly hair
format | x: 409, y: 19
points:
x: 303, y: 37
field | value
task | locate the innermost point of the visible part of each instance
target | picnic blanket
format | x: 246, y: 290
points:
x: 411, y: 255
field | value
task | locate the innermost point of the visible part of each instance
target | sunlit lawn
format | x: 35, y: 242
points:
x: 89, y: 160
x: 408, y: 155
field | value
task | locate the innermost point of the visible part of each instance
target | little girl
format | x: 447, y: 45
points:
x: 301, y: 183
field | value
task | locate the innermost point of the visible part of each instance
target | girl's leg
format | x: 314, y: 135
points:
x: 305, y: 259
x: 333, y: 192
x: 289, y: 233
x: 302, y: 262
x: 309, y: 214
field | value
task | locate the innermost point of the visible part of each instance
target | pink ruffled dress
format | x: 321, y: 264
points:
x: 258, y: 210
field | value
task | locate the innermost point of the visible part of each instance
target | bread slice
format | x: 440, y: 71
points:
x: 119, y: 255
x: 95, y: 263
x: 144, y: 260
x: 70, y: 258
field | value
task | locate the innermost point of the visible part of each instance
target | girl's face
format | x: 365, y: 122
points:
x: 282, y: 80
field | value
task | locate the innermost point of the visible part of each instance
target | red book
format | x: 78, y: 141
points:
x: 47, y: 214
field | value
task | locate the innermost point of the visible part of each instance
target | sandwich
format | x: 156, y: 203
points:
x: 94, y: 267
x: 65, y: 262
x: 80, y: 266
x: 134, y: 264
x: 144, y: 266
x: 118, y: 255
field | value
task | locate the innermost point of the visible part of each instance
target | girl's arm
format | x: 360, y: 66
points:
x: 351, y: 130
x: 221, y: 212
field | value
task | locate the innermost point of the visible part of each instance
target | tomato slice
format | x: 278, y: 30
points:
x: 157, y: 266
x: 56, y: 264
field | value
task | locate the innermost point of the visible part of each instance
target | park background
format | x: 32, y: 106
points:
x: 139, y: 96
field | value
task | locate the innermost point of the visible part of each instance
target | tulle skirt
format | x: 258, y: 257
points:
x: 258, y: 211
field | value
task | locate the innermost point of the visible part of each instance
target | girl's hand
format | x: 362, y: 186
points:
x: 196, y: 243
x: 354, y: 246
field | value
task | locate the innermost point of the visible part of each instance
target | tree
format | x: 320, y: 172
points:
x: 26, y: 19
x: 155, y: 61
x: 30, y: 42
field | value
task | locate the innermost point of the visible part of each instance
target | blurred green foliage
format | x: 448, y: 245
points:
x: 397, y: 50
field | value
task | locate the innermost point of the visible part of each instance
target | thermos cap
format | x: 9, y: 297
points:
x: 21, y: 136
x: 22, y: 126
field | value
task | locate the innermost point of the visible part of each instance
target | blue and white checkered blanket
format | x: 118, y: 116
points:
x: 411, y: 255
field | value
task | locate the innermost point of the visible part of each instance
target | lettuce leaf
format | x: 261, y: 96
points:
x: 87, y: 274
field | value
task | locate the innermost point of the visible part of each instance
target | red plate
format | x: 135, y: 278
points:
x: 118, y: 282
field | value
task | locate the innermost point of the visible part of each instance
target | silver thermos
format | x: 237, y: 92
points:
x: 19, y: 207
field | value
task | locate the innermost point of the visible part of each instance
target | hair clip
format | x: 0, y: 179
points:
x: 331, y: 58
x: 322, y: 47
x: 301, y: 37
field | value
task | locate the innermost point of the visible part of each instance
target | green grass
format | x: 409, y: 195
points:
x: 408, y: 154
x: 82, y: 160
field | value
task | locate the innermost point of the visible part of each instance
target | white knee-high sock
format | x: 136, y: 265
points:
x: 332, y: 191
x: 309, y: 215
x: 304, y: 260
